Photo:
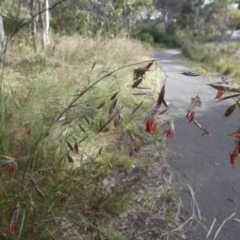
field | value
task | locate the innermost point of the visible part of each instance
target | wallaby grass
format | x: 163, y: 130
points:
x: 59, y: 199
x: 222, y: 58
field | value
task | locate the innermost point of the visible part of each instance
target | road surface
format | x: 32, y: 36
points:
x: 202, y: 162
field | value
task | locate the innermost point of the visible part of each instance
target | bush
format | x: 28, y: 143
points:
x: 154, y: 35
x: 222, y: 58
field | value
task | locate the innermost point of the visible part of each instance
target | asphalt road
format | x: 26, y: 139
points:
x: 202, y: 162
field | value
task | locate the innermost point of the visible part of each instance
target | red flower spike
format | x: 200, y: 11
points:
x: 190, y: 110
x: 13, y: 223
x: 190, y: 116
x: 10, y: 167
x: 11, y: 229
x: 151, y: 126
x: 29, y: 131
x: 219, y: 94
x: 233, y: 158
x: 131, y: 153
x: 134, y: 146
x: 168, y: 133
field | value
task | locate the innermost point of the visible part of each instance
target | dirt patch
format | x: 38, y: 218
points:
x: 155, y: 212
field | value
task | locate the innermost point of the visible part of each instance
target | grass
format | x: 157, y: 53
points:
x: 70, y: 174
x: 222, y: 58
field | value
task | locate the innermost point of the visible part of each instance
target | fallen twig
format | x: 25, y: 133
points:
x: 195, y: 202
x: 210, y: 230
x: 219, y: 229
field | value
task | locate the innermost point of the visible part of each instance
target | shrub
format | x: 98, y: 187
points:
x: 154, y: 35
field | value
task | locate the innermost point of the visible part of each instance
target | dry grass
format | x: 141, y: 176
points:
x: 222, y: 58
x: 49, y: 92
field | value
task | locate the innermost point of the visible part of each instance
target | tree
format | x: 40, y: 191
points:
x: 167, y: 11
x: 33, y: 23
x: 2, y: 39
x: 222, y: 19
x: 191, y: 16
x: 43, y: 6
x: 99, y: 16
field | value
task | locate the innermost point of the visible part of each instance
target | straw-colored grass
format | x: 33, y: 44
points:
x: 50, y: 116
x: 219, y: 57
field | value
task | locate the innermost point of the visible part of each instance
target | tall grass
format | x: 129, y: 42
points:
x: 66, y: 178
x: 220, y: 57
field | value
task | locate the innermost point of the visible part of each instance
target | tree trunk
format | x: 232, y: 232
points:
x: 33, y: 24
x: 44, y: 19
x: 2, y: 40
x: 46, y: 29
x: 231, y: 33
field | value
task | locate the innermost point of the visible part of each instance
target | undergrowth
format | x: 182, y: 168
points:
x: 223, y: 58
x: 64, y: 163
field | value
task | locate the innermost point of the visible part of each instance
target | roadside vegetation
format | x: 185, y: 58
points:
x: 222, y: 58
x: 82, y: 144
x: 67, y: 167
x: 156, y: 37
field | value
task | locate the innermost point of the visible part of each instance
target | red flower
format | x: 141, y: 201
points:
x: 28, y: 128
x: 168, y: 133
x: 131, y: 153
x: 10, y: 167
x: 134, y: 148
x: 13, y: 223
x: 29, y: 131
x: 219, y: 94
x: 171, y: 130
x: 12, y: 228
x: 190, y: 116
x: 151, y: 126
x: 194, y: 103
x: 233, y: 158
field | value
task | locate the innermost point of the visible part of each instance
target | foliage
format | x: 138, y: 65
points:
x: 65, y: 161
x: 221, y: 57
x: 103, y: 17
x: 221, y: 20
x: 68, y: 156
x: 154, y: 35
x: 169, y: 12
